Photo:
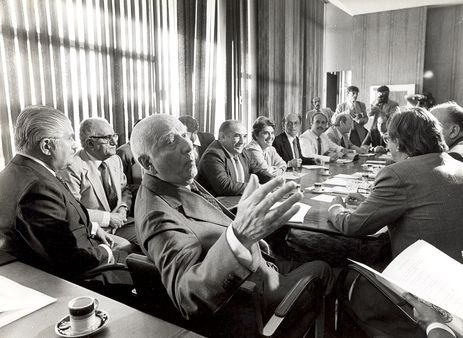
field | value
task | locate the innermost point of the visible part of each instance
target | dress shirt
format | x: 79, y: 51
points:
x: 267, y: 159
x: 309, y: 144
x: 457, y: 148
x: 95, y: 225
x: 237, y: 166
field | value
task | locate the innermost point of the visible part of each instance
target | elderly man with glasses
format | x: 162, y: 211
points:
x: 96, y: 178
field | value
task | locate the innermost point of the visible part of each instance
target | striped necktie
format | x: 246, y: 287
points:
x: 111, y: 195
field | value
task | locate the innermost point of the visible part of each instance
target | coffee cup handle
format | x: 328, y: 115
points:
x: 97, y: 303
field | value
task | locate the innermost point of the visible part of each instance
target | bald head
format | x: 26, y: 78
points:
x: 233, y: 136
x: 450, y: 115
x: 293, y: 124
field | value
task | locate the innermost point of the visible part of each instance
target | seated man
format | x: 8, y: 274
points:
x: 202, y: 255
x: 201, y: 140
x: 357, y: 111
x: 42, y: 224
x: 287, y: 143
x: 307, y: 116
x: 450, y: 115
x: 339, y: 132
x: 224, y: 169
x: 314, y: 143
x: 375, y: 140
x: 96, y: 178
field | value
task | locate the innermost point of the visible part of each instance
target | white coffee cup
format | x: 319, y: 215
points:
x: 82, y: 314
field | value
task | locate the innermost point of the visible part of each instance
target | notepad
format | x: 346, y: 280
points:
x: 16, y: 301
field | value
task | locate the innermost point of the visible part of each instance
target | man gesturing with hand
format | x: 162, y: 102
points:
x: 203, y: 255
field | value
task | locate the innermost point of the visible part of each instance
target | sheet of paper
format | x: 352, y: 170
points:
x: 330, y: 190
x: 299, y: 216
x: 367, y: 155
x: 315, y: 166
x: 344, y: 160
x: 359, y: 174
x: 323, y: 198
x: 347, y: 176
x: 290, y: 175
x: 375, y: 162
x: 17, y: 301
x: 338, y: 181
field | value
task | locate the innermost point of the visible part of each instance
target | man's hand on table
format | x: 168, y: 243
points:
x: 254, y: 219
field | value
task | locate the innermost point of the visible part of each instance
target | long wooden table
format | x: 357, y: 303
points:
x: 124, y: 321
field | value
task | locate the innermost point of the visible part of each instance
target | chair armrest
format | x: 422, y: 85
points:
x: 287, y: 304
x: 388, y: 293
x: 92, y: 273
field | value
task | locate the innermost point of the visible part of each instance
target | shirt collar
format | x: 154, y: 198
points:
x: 290, y: 138
x: 93, y: 159
x: 39, y: 162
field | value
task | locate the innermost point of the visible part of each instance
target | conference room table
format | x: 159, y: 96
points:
x: 316, y: 237
x: 124, y: 321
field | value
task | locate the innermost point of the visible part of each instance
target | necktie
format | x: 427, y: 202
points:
x: 319, y: 145
x: 343, y: 144
x: 296, y: 149
x: 111, y: 195
x: 195, y: 189
x: 239, y: 170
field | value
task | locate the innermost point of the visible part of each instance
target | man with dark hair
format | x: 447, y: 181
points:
x: 224, y: 169
x: 450, y: 115
x: 42, y: 223
x: 201, y: 140
x: 358, y: 113
x: 287, y: 143
x: 382, y: 105
x: 307, y: 116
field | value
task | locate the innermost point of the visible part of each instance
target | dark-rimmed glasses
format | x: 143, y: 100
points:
x: 106, y: 138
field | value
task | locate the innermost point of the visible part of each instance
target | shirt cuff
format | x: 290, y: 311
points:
x: 106, y: 218
x: 110, y: 253
x: 94, y: 228
x: 243, y: 255
x: 436, y: 325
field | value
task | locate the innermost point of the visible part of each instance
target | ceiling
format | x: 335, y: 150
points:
x: 356, y: 7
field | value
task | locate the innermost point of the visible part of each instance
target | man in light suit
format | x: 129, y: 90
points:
x: 339, y: 132
x: 42, y: 223
x: 224, y: 169
x: 202, y: 255
x: 358, y: 112
x: 382, y: 105
x: 287, y: 143
x: 418, y: 197
x: 96, y: 178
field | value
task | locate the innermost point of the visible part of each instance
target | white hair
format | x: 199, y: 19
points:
x: 88, y: 127
x: 37, y: 122
x: 148, y: 135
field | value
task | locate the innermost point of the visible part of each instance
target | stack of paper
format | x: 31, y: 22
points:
x: 299, y: 216
x: 338, y: 181
x: 16, y: 301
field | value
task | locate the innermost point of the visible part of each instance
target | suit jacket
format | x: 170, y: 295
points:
x: 43, y: 224
x: 333, y: 135
x: 83, y: 179
x: 418, y: 198
x: 388, y: 108
x: 374, y: 139
x: 217, y: 174
x: 360, y: 113
x: 132, y: 170
x: 185, y: 236
x: 283, y: 148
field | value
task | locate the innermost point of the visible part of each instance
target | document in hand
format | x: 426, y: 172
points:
x: 429, y: 274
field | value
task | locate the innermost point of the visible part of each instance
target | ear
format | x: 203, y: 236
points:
x: 221, y: 135
x: 145, y: 162
x: 89, y: 143
x: 455, y: 131
x: 46, y: 145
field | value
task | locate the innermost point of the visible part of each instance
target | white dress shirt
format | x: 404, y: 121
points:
x: 309, y: 144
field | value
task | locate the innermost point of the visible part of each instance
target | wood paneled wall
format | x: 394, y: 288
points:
x: 289, y: 60
x: 444, y: 53
x: 388, y: 49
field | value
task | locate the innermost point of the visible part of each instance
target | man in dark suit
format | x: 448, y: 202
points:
x: 202, y: 255
x: 200, y: 140
x: 287, y: 143
x: 224, y: 169
x: 42, y: 223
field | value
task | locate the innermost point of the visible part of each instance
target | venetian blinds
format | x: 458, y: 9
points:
x: 117, y: 59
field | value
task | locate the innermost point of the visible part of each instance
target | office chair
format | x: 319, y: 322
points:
x: 392, y: 313
x: 240, y: 317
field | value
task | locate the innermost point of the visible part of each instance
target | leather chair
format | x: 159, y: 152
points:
x: 389, y: 316
x: 240, y: 317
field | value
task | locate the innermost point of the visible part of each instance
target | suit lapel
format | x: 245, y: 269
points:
x: 182, y: 199
x: 287, y: 146
x: 94, y: 178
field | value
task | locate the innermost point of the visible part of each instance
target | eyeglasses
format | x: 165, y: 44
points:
x: 106, y: 138
x: 386, y: 138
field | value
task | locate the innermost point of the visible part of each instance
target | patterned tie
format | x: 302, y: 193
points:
x: 319, y: 145
x: 195, y: 189
x: 111, y: 195
x: 343, y: 144
x: 296, y: 149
